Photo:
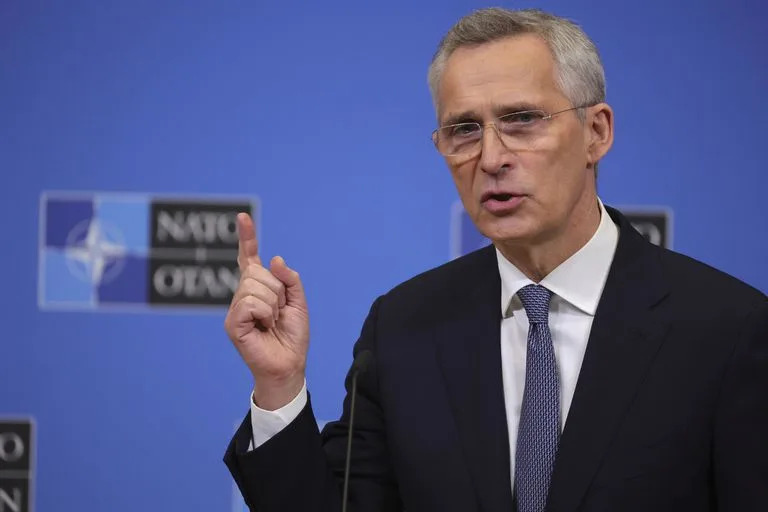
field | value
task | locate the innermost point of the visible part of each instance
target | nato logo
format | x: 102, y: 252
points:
x: 112, y: 251
x: 653, y: 222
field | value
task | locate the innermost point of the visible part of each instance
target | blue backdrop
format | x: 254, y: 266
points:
x: 322, y: 111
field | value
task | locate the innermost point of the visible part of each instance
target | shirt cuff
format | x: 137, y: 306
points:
x: 266, y: 424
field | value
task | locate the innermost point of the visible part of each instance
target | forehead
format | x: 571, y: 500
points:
x: 510, y: 71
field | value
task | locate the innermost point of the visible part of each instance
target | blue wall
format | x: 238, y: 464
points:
x: 322, y: 111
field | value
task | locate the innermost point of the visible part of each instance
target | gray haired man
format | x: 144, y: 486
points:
x: 570, y: 365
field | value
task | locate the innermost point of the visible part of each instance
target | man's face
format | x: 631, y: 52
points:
x: 525, y: 195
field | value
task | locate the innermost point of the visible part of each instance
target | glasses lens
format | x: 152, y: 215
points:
x: 459, y: 139
x: 522, y: 122
x: 518, y: 131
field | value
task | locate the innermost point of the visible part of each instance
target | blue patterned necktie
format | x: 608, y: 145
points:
x: 539, y: 431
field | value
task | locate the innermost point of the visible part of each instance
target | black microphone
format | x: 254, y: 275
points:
x: 362, y: 361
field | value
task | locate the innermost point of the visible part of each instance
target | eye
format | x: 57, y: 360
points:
x: 463, y: 129
x: 523, y: 118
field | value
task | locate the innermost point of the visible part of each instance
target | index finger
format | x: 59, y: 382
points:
x: 247, y: 246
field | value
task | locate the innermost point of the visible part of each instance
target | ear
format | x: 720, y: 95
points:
x: 598, y: 127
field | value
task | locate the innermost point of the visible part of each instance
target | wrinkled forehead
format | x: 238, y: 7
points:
x: 518, y: 70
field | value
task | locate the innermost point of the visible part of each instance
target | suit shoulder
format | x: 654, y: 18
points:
x: 705, y: 282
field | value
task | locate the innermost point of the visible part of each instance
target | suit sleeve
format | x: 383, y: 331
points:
x: 741, y: 426
x: 302, y: 470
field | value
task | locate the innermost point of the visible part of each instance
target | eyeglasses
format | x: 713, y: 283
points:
x: 518, y: 131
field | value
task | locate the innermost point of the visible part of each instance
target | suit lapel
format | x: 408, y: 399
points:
x: 627, y: 332
x: 469, y: 353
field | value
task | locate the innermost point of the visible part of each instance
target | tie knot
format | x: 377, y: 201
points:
x: 535, y: 300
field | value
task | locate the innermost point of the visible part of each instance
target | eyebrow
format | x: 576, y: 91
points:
x: 471, y: 116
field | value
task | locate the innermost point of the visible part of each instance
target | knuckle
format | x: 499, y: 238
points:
x: 237, y: 311
x: 275, y: 284
x: 253, y: 301
x: 252, y: 270
x: 246, y: 284
x: 251, y: 285
x: 262, y: 305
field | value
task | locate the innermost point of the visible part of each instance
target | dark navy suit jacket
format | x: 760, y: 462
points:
x: 670, y: 411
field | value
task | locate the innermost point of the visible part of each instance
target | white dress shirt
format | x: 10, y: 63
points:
x: 576, y: 286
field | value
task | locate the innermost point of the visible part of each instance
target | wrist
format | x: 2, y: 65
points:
x: 273, y: 394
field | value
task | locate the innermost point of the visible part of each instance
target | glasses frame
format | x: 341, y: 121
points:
x: 545, y: 117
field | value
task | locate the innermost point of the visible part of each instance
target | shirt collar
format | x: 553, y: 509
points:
x: 578, y: 280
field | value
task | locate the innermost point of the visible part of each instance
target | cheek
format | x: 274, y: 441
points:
x: 556, y: 149
x: 463, y: 178
x: 557, y: 166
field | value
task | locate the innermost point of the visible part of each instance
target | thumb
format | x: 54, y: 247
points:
x: 294, y: 290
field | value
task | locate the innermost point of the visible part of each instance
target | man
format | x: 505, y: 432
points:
x: 569, y: 366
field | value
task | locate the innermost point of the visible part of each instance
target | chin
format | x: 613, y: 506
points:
x: 506, y: 229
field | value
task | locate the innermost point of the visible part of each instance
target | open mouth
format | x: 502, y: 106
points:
x: 502, y: 203
x: 501, y: 197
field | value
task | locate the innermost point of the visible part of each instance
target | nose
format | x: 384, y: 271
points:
x: 494, y: 155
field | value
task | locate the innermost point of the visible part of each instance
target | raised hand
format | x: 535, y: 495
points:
x: 268, y: 322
